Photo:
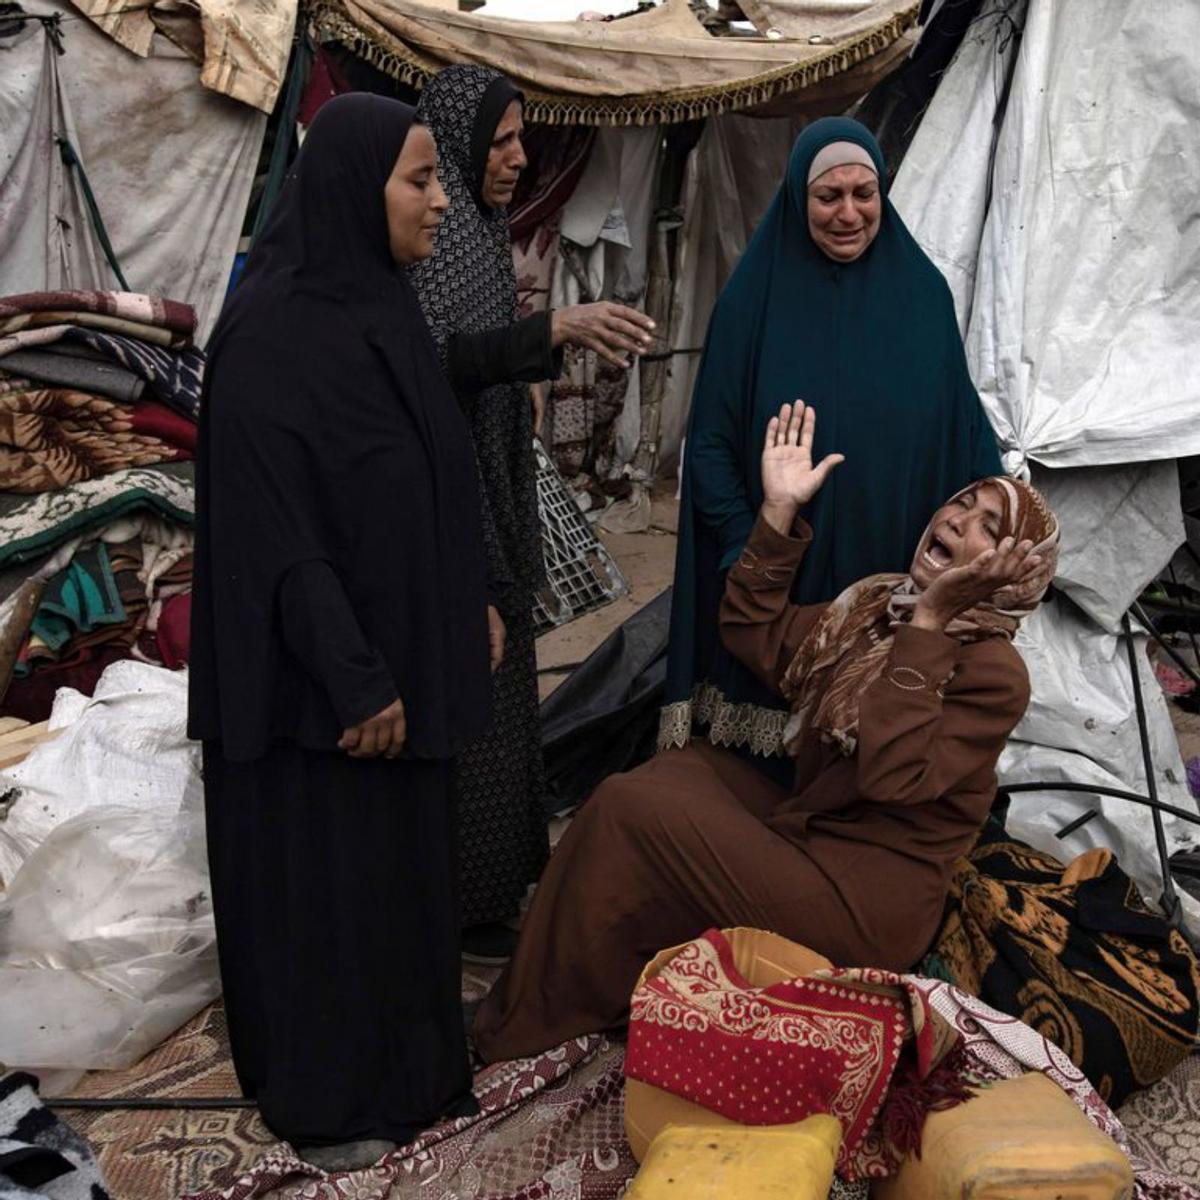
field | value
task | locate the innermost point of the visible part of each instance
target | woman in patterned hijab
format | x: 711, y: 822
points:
x: 903, y: 693
x: 468, y: 293
x: 833, y: 667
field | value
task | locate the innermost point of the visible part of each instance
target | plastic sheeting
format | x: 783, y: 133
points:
x: 1075, y: 258
x: 603, y: 717
x: 171, y: 166
x: 1120, y: 525
x: 1036, y: 183
x: 107, y: 942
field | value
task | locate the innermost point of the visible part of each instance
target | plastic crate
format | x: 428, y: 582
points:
x: 581, y: 575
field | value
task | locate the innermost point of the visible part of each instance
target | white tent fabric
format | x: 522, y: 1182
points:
x: 1121, y: 524
x: 1081, y: 727
x: 1049, y: 212
x: 1080, y: 287
x: 171, y: 165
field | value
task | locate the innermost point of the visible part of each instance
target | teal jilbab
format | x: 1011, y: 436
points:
x: 873, y: 345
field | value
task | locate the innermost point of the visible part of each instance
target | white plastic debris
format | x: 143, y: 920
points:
x: 106, y: 930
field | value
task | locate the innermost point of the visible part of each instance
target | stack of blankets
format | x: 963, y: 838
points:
x: 99, y: 398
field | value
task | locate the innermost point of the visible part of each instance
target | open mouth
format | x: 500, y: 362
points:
x: 937, y: 554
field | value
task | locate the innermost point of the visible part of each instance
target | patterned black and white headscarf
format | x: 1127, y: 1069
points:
x: 469, y: 284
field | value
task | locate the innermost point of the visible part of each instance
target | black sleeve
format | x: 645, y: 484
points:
x: 321, y: 630
x: 516, y: 353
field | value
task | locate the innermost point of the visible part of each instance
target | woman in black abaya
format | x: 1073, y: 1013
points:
x: 340, y: 651
x: 468, y: 292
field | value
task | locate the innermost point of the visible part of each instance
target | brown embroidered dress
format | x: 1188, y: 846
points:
x: 853, y: 861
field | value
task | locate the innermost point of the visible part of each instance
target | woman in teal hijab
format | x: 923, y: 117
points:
x: 835, y: 304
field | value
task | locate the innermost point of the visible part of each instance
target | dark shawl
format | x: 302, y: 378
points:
x: 469, y: 286
x: 1081, y: 960
x: 874, y: 346
x: 329, y: 434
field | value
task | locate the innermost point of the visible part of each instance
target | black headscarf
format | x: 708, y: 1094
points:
x: 330, y: 434
x: 469, y: 286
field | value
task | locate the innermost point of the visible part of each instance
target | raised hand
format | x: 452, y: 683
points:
x: 789, y: 478
x: 957, y: 589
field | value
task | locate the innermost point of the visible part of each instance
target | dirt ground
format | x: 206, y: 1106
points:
x: 648, y: 562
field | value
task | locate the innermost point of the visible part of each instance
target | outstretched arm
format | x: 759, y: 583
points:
x: 759, y: 625
x: 518, y: 353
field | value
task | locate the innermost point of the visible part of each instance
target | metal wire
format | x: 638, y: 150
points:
x: 1093, y: 789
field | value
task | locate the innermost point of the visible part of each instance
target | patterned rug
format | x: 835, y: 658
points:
x: 1163, y: 1122
x: 551, y: 1130
x: 157, y: 1154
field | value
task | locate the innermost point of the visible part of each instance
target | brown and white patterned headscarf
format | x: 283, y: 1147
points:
x: 835, y: 663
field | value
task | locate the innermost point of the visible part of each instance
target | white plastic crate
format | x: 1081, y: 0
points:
x: 581, y: 575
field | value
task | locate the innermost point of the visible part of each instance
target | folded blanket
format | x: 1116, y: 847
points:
x: 52, y: 318
x: 128, y: 306
x: 31, y: 526
x: 126, y: 596
x: 52, y: 437
x: 32, y: 697
x: 174, y: 631
x: 173, y: 376
x: 56, y: 366
x: 81, y: 598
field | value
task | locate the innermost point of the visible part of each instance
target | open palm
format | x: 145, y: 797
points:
x: 788, y: 475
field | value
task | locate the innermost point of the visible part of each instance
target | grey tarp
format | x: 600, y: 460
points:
x: 171, y: 165
x: 1053, y: 179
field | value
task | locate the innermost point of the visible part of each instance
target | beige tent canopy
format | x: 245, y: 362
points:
x: 656, y: 67
x: 242, y: 47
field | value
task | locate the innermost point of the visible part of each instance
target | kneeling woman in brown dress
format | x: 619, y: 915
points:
x: 903, y: 692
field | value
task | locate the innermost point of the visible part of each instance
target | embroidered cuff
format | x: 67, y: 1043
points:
x: 921, y: 660
x: 756, y: 566
x: 771, y: 556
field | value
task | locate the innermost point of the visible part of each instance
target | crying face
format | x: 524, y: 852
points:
x: 961, y: 530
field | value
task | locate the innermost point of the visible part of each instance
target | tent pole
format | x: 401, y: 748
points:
x: 1095, y: 789
x: 1170, y: 900
x: 1172, y: 653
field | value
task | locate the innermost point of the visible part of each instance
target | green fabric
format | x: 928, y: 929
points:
x: 81, y: 596
x: 70, y: 158
x: 33, y: 526
x: 874, y: 346
x: 285, y: 130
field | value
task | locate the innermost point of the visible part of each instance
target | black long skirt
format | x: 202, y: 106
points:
x: 504, y: 839
x: 334, y: 887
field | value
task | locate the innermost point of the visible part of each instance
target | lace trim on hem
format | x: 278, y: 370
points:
x: 727, y: 723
